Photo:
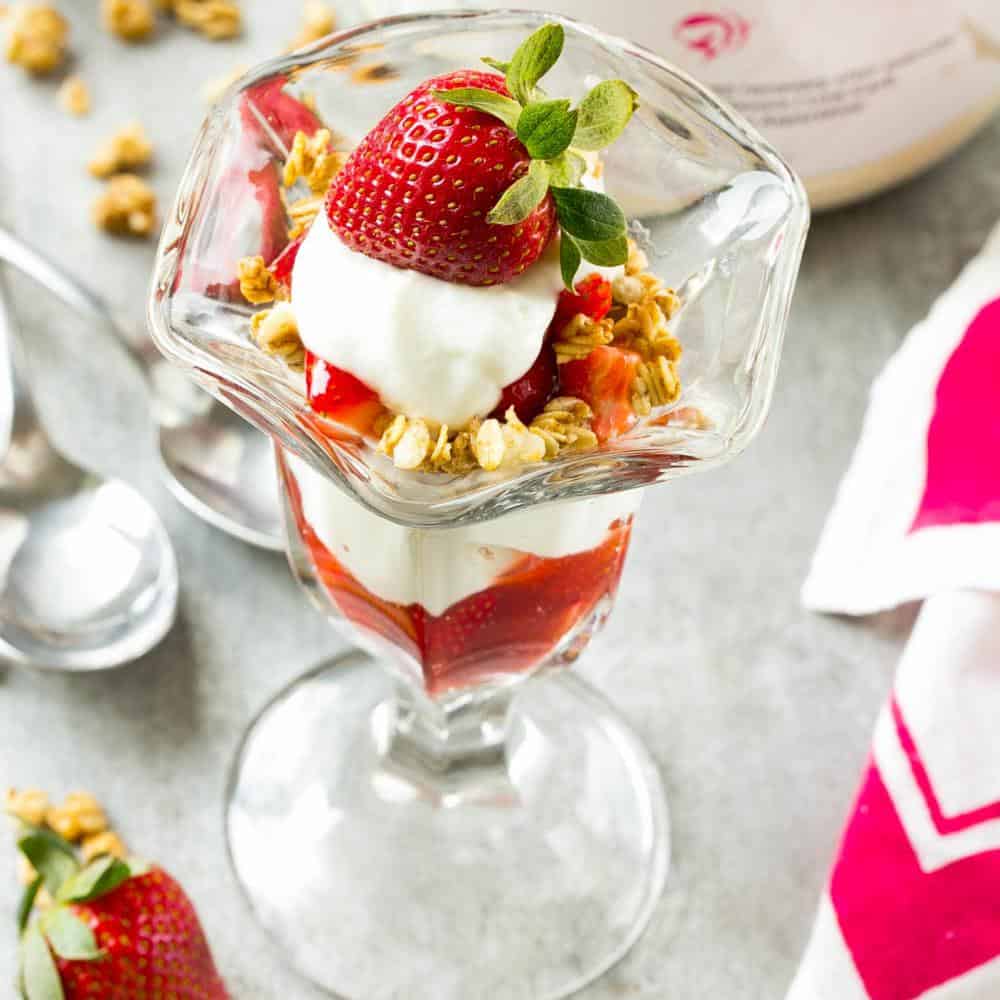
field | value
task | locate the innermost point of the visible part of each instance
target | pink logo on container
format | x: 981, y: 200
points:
x: 712, y: 34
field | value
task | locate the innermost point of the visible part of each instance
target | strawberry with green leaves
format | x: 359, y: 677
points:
x: 114, y: 930
x: 469, y: 177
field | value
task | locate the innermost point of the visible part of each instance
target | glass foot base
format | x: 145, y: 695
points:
x: 521, y: 873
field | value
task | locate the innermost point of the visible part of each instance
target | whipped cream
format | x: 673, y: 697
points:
x: 437, y: 568
x: 429, y: 348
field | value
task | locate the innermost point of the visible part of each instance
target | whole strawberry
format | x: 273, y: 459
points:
x: 468, y: 178
x: 113, y: 930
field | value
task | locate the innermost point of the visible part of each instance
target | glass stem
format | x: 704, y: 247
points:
x: 444, y: 740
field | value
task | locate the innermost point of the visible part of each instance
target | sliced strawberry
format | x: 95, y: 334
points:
x: 592, y: 298
x: 282, y: 111
x: 337, y: 394
x: 603, y: 380
x: 274, y: 225
x: 533, y: 389
x: 281, y: 266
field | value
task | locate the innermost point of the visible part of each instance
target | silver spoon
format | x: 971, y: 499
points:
x: 215, y: 463
x: 88, y: 577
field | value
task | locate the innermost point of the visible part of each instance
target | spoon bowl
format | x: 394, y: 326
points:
x: 88, y: 576
x: 217, y: 465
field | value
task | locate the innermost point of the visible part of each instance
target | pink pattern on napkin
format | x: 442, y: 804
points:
x: 963, y: 440
x: 909, y: 930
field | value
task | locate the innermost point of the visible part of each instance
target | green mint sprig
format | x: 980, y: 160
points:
x: 555, y: 134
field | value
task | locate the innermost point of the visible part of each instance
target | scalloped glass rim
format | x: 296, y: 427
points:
x: 212, y: 345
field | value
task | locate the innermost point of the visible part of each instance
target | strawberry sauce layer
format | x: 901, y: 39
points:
x: 509, y: 627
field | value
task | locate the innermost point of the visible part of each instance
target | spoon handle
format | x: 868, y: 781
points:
x: 29, y: 462
x: 76, y: 296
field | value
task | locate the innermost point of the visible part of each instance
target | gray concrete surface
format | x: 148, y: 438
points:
x: 758, y: 713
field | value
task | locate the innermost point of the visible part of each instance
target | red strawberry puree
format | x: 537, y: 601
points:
x: 509, y: 627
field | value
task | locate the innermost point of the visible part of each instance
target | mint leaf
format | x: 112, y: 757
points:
x: 522, y: 197
x: 69, y: 936
x: 496, y: 64
x: 97, y: 879
x: 39, y: 975
x: 534, y: 57
x: 27, y: 901
x: 605, y: 253
x: 588, y: 215
x: 567, y: 169
x: 51, y: 856
x: 569, y: 259
x: 603, y: 114
x: 501, y: 107
x: 546, y: 128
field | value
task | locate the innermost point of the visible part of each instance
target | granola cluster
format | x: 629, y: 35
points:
x: 38, y: 38
x: 79, y: 819
x: 215, y: 19
x: 315, y: 162
x: 128, y: 149
x: 130, y: 20
x: 74, y: 96
x: 126, y: 207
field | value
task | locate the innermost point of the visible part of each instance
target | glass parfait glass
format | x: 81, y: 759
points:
x: 440, y: 812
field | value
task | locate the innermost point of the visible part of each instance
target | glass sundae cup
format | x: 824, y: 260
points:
x: 443, y: 811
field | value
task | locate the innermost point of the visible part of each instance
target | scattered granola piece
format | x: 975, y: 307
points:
x: 276, y: 332
x: 126, y: 207
x: 74, y: 97
x: 79, y: 816
x: 520, y: 443
x: 257, y: 284
x: 107, y: 842
x: 127, y: 149
x: 318, y: 20
x: 413, y: 445
x: 38, y: 37
x: 313, y: 160
x: 580, y: 336
x: 392, y: 434
x: 131, y: 20
x: 214, y: 89
x: 488, y: 444
x: 215, y: 19
x: 440, y: 454
x: 656, y: 384
x: 29, y: 806
x: 564, y: 425
x: 302, y: 212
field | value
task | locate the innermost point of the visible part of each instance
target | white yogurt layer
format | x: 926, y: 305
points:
x: 429, y: 348
x: 439, y: 568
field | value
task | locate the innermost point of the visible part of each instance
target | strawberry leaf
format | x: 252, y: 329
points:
x: 501, y: 107
x: 496, y: 64
x: 97, y: 879
x: 605, y: 253
x: 534, y: 57
x: 51, y: 856
x: 588, y: 215
x: 567, y: 169
x: 27, y: 901
x: 522, y: 197
x: 569, y: 259
x: 546, y: 128
x: 603, y: 114
x: 68, y: 935
x: 39, y: 975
